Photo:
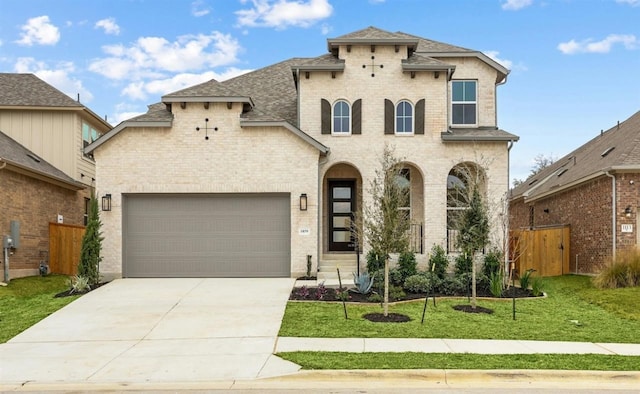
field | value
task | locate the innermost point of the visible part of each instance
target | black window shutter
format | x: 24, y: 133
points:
x: 389, y: 117
x: 420, y: 117
x: 356, y: 117
x: 325, y: 110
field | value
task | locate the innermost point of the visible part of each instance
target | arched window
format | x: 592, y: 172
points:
x: 404, y: 118
x: 341, y: 117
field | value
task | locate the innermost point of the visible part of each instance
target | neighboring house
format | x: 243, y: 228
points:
x: 45, y: 175
x: 254, y: 175
x: 594, y: 190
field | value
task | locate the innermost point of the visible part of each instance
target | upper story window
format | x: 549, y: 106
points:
x: 341, y: 118
x: 464, y: 102
x: 89, y: 134
x: 404, y: 118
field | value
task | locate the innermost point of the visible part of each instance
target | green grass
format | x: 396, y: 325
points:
x: 26, y: 301
x: 336, y: 360
x: 573, y: 311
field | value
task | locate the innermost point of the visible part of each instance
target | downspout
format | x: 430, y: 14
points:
x: 613, y: 212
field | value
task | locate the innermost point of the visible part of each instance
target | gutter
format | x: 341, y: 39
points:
x: 613, y: 212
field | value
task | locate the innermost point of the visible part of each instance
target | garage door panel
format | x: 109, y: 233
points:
x: 223, y: 235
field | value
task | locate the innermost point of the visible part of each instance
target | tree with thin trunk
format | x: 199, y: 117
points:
x: 473, y: 233
x: 386, y: 226
x: 90, y: 258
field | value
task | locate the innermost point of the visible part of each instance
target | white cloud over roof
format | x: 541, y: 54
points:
x: 58, y: 76
x: 283, y: 13
x: 39, y: 30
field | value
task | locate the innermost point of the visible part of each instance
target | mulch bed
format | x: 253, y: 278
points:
x: 70, y: 292
x: 469, y: 309
x: 390, y: 318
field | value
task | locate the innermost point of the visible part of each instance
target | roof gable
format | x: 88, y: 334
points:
x: 617, y: 149
x: 27, y: 90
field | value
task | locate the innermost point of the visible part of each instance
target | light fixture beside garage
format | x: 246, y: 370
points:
x: 106, y: 202
x: 303, y: 202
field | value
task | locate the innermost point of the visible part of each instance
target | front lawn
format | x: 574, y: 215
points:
x: 26, y: 301
x: 573, y: 311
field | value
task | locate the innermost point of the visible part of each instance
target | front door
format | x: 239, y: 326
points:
x: 342, y: 205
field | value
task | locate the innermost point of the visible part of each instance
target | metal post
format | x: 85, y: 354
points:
x: 6, y: 265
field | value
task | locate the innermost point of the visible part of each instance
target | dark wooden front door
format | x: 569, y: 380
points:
x: 342, y: 205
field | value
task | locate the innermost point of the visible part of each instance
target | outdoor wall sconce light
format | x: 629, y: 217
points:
x: 546, y: 210
x: 627, y: 211
x: 303, y: 202
x: 106, y: 202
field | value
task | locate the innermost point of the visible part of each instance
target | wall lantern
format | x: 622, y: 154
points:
x: 627, y: 211
x: 106, y: 202
x: 303, y: 202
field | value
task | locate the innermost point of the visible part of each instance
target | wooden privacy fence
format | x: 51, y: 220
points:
x: 65, y: 243
x: 545, y: 250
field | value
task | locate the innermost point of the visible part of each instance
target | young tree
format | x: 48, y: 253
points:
x: 473, y: 233
x: 386, y: 227
x: 88, y: 266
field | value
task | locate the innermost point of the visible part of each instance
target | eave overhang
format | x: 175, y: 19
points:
x: 502, y: 71
x: 40, y: 175
x: 335, y: 43
x: 126, y: 124
x: 208, y: 99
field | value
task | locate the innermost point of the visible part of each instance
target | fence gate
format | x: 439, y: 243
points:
x: 545, y: 250
x: 65, y: 243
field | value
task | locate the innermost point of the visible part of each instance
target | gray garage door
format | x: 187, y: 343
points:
x: 205, y: 235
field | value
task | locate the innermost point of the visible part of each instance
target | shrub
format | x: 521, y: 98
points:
x: 537, y: 286
x: 321, y: 291
x: 342, y: 295
x: 363, y: 282
x: 438, y: 261
x: 407, y: 264
x: 419, y: 283
x: 303, y: 292
x: 375, y: 261
x: 396, y: 293
x: 496, y: 283
x: 525, y: 278
x: 78, y: 284
x: 492, y: 263
x: 463, y: 264
x: 455, y: 285
x: 623, y: 272
x: 90, y: 258
x: 375, y: 297
x: 395, y: 277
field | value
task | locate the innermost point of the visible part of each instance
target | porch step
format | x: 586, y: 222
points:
x: 329, y: 262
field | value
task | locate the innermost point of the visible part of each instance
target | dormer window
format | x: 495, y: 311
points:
x: 464, y: 103
x: 341, y: 118
x: 404, y: 118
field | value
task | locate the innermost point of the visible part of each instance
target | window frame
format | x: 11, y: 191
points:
x: 464, y: 102
x: 404, y: 117
x: 92, y: 132
x: 341, y: 117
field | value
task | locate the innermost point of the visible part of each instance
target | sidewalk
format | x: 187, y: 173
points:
x: 428, y: 345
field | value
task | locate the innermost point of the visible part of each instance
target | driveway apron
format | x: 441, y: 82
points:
x: 156, y: 330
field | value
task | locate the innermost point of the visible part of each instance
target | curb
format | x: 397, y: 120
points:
x: 371, y: 379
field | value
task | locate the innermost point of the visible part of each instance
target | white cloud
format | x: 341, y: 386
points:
x: 494, y: 55
x: 514, y: 5
x: 39, y: 30
x: 59, y: 77
x: 109, y: 25
x: 633, y: 3
x: 629, y: 41
x: 284, y: 13
x: 199, y: 8
x: 154, y: 56
x: 141, y: 90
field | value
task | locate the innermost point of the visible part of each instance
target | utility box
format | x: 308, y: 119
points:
x: 15, y: 233
x: 7, y: 242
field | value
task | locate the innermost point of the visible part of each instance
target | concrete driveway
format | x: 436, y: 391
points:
x: 156, y: 330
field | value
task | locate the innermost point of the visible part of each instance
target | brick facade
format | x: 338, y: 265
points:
x: 587, y: 209
x: 35, y: 203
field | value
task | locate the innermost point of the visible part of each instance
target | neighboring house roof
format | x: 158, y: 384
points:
x: 617, y: 149
x: 15, y: 156
x: 27, y: 90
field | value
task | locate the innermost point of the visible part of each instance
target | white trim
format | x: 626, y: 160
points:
x: 333, y: 115
x: 413, y: 119
x: 451, y: 104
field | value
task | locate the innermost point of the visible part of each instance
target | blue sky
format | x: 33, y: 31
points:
x: 575, y: 64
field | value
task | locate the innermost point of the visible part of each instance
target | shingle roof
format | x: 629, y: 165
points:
x: 478, y: 134
x: 27, y: 90
x: 16, y: 154
x: 615, y: 149
x: 426, y: 46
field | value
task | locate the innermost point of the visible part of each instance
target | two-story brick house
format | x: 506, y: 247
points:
x: 44, y: 174
x: 250, y: 176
